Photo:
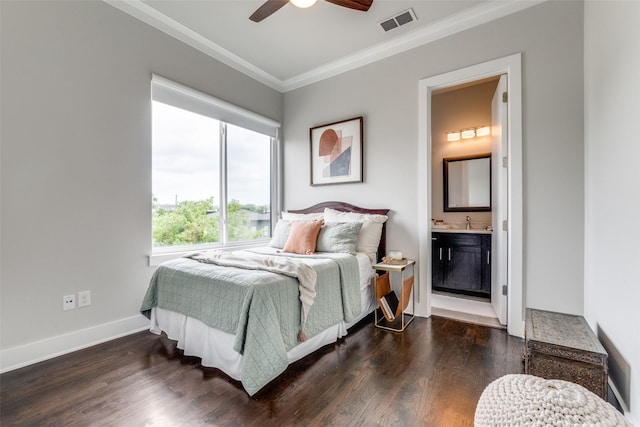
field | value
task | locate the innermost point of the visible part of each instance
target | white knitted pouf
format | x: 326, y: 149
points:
x: 526, y: 400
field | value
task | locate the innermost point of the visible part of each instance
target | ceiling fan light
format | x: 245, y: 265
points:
x: 303, y: 3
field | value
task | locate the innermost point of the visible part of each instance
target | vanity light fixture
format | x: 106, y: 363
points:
x: 453, y: 136
x: 303, y: 3
x: 468, y: 133
x: 483, y: 131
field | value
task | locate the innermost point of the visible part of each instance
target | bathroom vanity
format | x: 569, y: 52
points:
x: 461, y: 262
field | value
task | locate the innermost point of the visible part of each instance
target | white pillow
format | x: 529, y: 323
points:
x: 371, y: 231
x: 290, y: 216
x: 280, y: 234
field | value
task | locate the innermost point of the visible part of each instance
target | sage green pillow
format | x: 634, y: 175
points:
x: 340, y: 237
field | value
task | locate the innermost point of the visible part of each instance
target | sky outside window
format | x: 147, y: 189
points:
x: 186, y: 156
x: 249, y: 166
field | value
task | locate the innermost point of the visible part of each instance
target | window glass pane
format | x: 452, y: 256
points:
x: 186, y: 176
x: 248, y: 184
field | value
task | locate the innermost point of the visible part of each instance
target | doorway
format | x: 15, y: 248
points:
x: 465, y: 201
x: 508, y: 276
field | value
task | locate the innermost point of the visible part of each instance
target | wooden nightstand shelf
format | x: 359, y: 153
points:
x: 384, y: 285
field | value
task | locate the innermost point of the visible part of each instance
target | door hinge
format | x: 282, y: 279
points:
x: 505, y: 97
x: 505, y: 162
x: 505, y: 225
x: 504, y: 290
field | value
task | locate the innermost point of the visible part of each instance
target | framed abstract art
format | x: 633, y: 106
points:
x: 336, y: 152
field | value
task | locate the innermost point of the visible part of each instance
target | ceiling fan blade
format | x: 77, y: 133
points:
x: 362, y: 5
x: 267, y: 9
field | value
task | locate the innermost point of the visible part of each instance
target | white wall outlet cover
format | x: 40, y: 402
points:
x: 84, y: 298
x: 69, y: 302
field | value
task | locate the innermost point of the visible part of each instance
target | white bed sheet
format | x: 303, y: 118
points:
x: 215, y: 347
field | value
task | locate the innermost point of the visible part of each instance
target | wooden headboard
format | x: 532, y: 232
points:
x: 346, y: 207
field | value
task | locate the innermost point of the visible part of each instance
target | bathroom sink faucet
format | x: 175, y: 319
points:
x: 468, y: 223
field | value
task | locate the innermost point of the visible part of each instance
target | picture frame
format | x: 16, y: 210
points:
x: 336, y: 152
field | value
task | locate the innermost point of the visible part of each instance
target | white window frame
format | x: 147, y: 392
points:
x: 186, y: 98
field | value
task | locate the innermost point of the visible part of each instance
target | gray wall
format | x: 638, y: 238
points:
x: 550, y: 37
x: 612, y: 232
x: 76, y: 160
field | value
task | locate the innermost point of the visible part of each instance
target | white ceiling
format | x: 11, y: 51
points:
x: 295, y: 47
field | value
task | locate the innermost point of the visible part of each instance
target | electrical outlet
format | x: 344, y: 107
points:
x: 84, y: 298
x: 69, y: 302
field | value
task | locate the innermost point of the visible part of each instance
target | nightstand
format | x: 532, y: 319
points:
x: 384, y: 285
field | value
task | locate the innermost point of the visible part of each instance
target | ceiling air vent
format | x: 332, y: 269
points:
x: 400, y: 19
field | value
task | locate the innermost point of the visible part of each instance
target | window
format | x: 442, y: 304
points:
x: 213, y: 171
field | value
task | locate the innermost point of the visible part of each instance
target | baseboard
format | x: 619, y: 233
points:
x: 618, y: 396
x: 28, y: 354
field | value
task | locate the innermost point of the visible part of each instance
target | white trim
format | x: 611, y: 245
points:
x: 38, y: 351
x: 172, y: 252
x: 511, y: 65
x: 424, y: 199
x: 277, y: 162
x: 478, y: 15
x: 618, y: 396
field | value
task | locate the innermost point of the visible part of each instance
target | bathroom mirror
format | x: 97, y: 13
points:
x: 467, y: 183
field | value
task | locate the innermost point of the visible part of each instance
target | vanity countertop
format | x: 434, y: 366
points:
x: 454, y: 230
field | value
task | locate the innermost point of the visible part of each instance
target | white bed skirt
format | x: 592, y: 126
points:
x: 215, y: 347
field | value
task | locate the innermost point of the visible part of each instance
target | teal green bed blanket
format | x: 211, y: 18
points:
x: 260, y: 308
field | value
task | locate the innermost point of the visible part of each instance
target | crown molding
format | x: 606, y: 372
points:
x: 453, y: 24
x: 173, y: 28
x: 478, y: 15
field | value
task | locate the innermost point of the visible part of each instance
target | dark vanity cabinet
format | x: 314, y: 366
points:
x: 461, y: 263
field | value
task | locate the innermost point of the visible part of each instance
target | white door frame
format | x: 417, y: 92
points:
x: 512, y: 66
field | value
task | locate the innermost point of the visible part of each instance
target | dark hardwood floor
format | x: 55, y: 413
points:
x: 430, y: 375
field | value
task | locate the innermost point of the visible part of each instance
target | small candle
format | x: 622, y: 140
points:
x: 395, y: 254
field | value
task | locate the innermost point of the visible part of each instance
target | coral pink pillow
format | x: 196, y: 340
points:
x: 303, y: 237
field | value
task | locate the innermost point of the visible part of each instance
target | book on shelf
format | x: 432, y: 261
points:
x: 389, y: 305
x: 386, y: 310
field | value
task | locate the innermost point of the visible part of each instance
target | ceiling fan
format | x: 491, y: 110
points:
x: 271, y: 6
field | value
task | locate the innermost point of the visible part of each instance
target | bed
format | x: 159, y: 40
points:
x: 251, y: 313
